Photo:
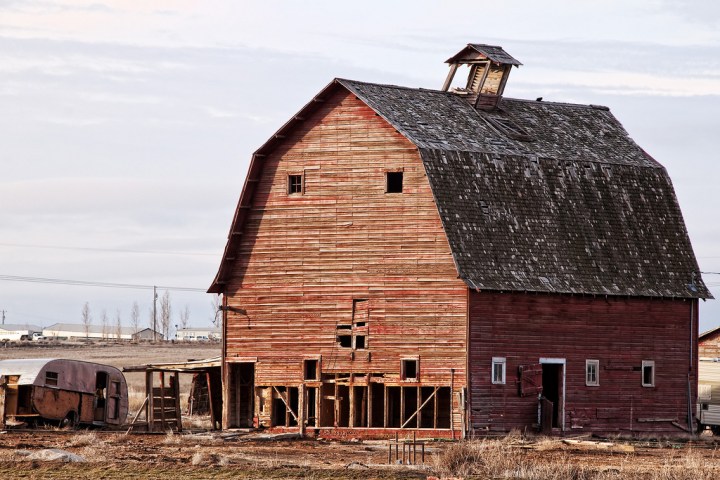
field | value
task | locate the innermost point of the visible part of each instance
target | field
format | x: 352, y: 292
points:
x: 202, y: 454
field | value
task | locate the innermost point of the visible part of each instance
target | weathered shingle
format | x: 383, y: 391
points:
x: 579, y: 208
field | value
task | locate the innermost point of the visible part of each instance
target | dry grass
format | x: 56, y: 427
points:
x: 510, y: 458
x: 172, y: 438
x: 85, y: 439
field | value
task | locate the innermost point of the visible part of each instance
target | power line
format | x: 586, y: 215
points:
x: 83, y: 283
x: 111, y: 250
x: 710, y: 273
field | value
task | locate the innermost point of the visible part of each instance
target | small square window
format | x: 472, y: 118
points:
x: 498, y: 370
x: 409, y: 369
x: 592, y: 373
x: 393, y: 182
x: 51, y: 378
x: 648, y: 373
x: 294, y: 184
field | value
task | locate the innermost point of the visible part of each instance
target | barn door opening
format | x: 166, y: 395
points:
x: 101, y: 386
x: 553, y: 391
x: 241, y: 379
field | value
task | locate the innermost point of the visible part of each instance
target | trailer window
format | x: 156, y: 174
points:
x: 51, y: 378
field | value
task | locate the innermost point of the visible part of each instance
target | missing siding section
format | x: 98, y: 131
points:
x: 355, y: 335
x: 352, y: 400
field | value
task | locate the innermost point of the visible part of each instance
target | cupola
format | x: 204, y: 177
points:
x: 489, y: 69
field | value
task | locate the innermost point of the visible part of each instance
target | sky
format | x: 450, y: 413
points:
x: 126, y: 127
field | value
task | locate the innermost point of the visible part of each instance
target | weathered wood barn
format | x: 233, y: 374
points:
x: 457, y: 262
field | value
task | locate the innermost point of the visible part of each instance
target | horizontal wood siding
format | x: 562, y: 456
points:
x: 304, y: 258
x: 619, y: 332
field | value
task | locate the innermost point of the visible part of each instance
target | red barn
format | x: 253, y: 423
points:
x: 454, y: 262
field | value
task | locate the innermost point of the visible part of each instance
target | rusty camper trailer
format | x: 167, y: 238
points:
x: 69, y: 392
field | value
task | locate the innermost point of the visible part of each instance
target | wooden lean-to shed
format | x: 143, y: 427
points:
x: 454, y: 262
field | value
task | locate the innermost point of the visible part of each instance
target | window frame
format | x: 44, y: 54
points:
x: 502, y: 362
x: 648, y: 364
x: 403, y: 369
x: 300, y: 184
x: 596, y: 365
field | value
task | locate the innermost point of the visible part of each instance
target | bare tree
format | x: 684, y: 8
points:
x: 118, y: 325
x: 104, y: 323
x: 86, y: 319
x: 165, y: 314
x: 185, y: 317
x: 216, y: 318
x: 135, y: 317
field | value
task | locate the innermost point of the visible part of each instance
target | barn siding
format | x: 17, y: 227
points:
x: 619, y: 332
x: 303, y: 259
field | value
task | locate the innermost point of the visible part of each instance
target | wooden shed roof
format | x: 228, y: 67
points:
x: 533, y: 196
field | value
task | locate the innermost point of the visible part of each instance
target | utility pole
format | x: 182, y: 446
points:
x: 3, y: 317
x: 154, y: 313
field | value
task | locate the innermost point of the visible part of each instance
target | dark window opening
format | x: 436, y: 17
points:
x: 409, y: 369
x: 294, y: 183
x: 311, y: 370
x: 648, y: 373
x: 360, y: 342
x: 345, y: 341
x: 394, y: 182
x: 51, y: 378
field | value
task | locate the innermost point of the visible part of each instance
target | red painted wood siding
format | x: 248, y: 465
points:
x: 304, y: 258
x: 619, y: 332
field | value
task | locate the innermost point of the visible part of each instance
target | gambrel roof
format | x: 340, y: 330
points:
x: 533, y: 196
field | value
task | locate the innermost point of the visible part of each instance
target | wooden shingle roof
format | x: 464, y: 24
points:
x: 570, y: 204
x: 574, y: 207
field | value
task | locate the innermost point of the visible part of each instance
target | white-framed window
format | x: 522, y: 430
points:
x: 592, y: 373
x: 498, y: 370
x: 648, y: 373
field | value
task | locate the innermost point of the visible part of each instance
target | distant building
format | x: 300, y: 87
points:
x: 709, y: 343
x: 198, y: 334
x: 72, y: 331
x: 147, y: 334
x: 15, y: 331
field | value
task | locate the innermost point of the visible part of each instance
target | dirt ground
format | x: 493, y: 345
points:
x: 228, y: 455
x: 202, y: 454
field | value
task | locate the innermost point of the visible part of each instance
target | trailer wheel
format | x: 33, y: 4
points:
x: 715, y: 429
x: 70, y: 421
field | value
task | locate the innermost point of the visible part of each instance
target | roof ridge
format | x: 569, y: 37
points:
x: 448, y: 93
